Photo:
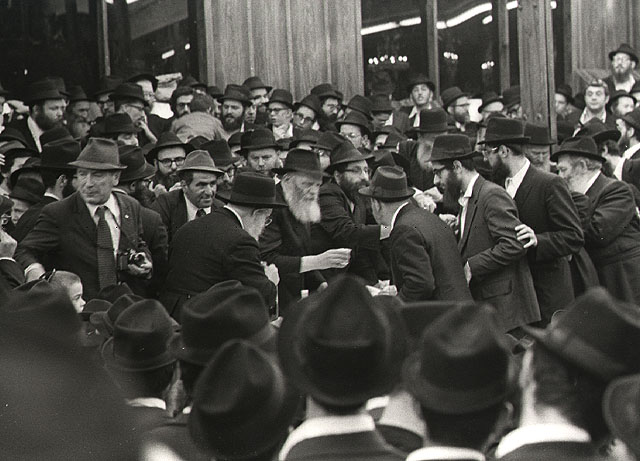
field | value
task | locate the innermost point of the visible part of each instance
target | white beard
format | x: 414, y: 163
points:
x: 305, y: 211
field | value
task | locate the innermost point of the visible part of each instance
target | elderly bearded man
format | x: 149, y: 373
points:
x: 285, y: 241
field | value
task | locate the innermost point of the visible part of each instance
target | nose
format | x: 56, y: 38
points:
x: 436, y: 179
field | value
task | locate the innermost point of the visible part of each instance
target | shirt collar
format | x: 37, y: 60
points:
x: 587, y: 185
x: 36, y: 131
x: 325, y: 426
x: 541, y: 433
x: 395, y: 215
x: 469, y: 192
x: 49, y: 194
x: 517, y: 178
x: 586, y: 116
x: 236, y: 214
x: 111, y: 204
x: 445, y: 453
x: 192, y: 209
x: 148, y: 402
x: 630, y: 151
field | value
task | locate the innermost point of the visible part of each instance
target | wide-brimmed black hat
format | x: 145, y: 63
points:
x: 419, y: 79
x: 140, y: 337
x: 57, y: 155
x: 226, y: 311
x: 360, y: 104
x: 450, y: 95
x: 617, y: 94
x: 214, y: 91
x: 192, y: 82
x: 253, y: 190
x: 502, y: 130
x: 463, y: 363
x: 137, y: 167
x: 389, y: 184
x: 200, y: 160
x: 128, y: 90
x: 43, y: 90
x: 488, y: 98
x: 511, y: 96
x: 238, y: 93
x: 341, y: 346
x: 448, y: 147
x: 242, y: 405
x: 119, y: 123
x: 32, y: 164
x: 260, y: 138
x: 431, y: 121
x: 346, y: 153
x: 255, y: 82
x: 311, y: 101
x: 104, y: 320
x: 28, y: 190
x: 625, y: 48
x: 111, y: 293
x: 167, y: 139
x: 77, y: 94
x: 583, y: 146
x: 305, y: 136
x: 55, y: 134
x: 538, y: 134
x: 301, y: 161
x: 597, y: 130
x: 380, y: 103
x: 282, y: 96
x: 329, y: 140
x: 565, y: 129
x: 99, y: 154
x: 621, y: 410
x: 598, y: 334
x: 108, y: 83
x: 221, y: 153
x: 358, y: 119
x: 325, y: 90
x: 566, y: 91
x: 633, y: 118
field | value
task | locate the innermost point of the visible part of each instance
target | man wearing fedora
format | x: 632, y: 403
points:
x: 330, y: 105
x: 196, y: 196
x: 259, y: 98
x: 494, y: 259
x: 357, y: 129
x: 128, y: 98
x: 624, y: 61
x: 286, y: 242
x: 92, y: 233
x: 462, y: 374
x: 57, y: 177
x: 306, y: 112
x: 629, y: 128
x: 538, y: 148
x: 564, y: 376
x: 46, y: 110
x: 612, y: 232
x: 456, y: 103
x: 226, y: 161
x: 120, y: 128
x: 421, y: 91
x: 424, y: 258
x: 235, y: 101
x: 345, y: 222
x: 168, y: 154
x: 492, y: 103
x: 551, y: 227
x: 260, y: 149
x: 280, y: 112
x: 26, y: 193
x: 384, y: 114
x: 340, y: 347
x: 223, y: 245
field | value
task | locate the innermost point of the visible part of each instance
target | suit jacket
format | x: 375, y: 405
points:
x: 11, y: 276
x: 425, y: 262
x: 583, y: 272
x: 499, y: 271
x: 146, y: 418
x: 66, y: 233
x: 283, y: 243
x: 553, y: 451
x: 173, y: 210
x: 210, y: 250
x: 174, y: 434
x: 29, y: 218
x: 22, y: 126
x: 401, y: 121
x: 544, y: 204
x: 342, y: 228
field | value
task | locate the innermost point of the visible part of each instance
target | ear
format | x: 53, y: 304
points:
x: 62, y: 180
x: 116, y: 178
x: 631, y: 131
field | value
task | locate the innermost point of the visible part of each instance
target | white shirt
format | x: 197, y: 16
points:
x: 192, y: 209
x: 325, y: 426
x: 627, y: 154
x: 50, y: 195
x: 586, y: 116
x: 464, y: 201
x: 541, y: 433
x: 235, y: 213
x: 440, y: 453
x: 587, y: 184
x: 112, y: 215
x: 512, y: 184
x: 395, y: 215
x: 148, y: 402
x: 416, y: 112
x: 280, y: 132
x: 36, y: 131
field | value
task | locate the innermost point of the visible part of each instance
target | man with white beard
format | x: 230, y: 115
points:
x: 286, y: 239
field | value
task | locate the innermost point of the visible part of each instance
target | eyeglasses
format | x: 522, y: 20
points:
x: 268, y: 221
x: 302, y: 118
x: 168, y: 161
x: 364, y: 170
x: 332, y: 107
x: 140, y: 108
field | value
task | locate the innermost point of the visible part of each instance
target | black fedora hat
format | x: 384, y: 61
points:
x: 11, y: 134
x: 597, y: 333
x: 254, y: 82
x: 329, y: 140
x: 341, y: 346
x: 55, y: 134
x: 192, y: 82
x: 389, y: 184
x: 463, y: 363
x: 597, y: 130
x: 28, y: 190
x: 311, y: 101
x: 234, y: 139
x: 243, y: 405
x: 325, y: 90
x: 200, y: 160
x: 99, y: 154
x: 226, y: 311
x: 221, y: 153
x: 488, y: 98
x: 301, y: 161
x: 431, y: 121
x: 92, y: 306
x: 238, y: 93
x: 167, y: 139
x: 32, y: 164
x: 565, y: 129
x: 566, y: 91
x: 119, y: 123
x: 538, y: 134
x: 107, y: 84
x: 419, y: 79
x: 252, y: 190
x: 282, y: 96
x: 305, y: 136
x: 346, y: 153
x: 42, y: 90
x: 502, y: 130
x: 140, y: 337
x: 617, y: 94
x: 450, y: 95
x: 583, y: 146
x: 361, y: 104
x: 448, y: 147
x: 214, y: 91
x: 77, y: 94
x: 260, y: 138
x: 104, y: 320
x: 633, y: 118
x: 380, y: 103
x: 511, y: 96
x: 625, y: 48
x: 111, y: 293
x: 358, y: 119
x: 621, y: 410
x: 137, y: 167
x: 128, y: 90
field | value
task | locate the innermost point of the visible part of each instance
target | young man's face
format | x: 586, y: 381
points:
x: 623, y: 105
x: 260, y: 98
x: 304, y: 117
x: 279, y: 114
x: 262, y: 160
x: 595, y: 97
x: 420, y: 94
x: 169, y: 159
x: 183, y: 105
x: 561, y: 103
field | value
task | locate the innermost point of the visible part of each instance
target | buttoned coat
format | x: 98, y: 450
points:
x: 499, y: 270
x: 583, y: 272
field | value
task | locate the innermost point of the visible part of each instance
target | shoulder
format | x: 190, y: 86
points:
x: 331, y: 189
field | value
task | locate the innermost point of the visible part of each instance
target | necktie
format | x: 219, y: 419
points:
x: 106, y: 260
x: 200, y: 213
x: 508, y: 185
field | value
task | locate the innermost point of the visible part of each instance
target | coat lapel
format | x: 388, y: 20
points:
x: 472, y: 206
x: 525, y: 187
x: 86, y: 223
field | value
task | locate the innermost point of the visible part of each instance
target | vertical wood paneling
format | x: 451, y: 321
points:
x: 270, y: 42
x: 346, y: 61
x: 231, y: 57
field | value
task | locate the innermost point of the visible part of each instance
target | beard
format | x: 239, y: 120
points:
x: 499, y: 172
x: 351, y: 187
x: 143, y: 195
x: 231, y: 123
x: 254, y: 229
x: 621, y: 73
x: 453, y: 186
x: 304, y: 209
x: 45, y: 123
x: 166, y: 180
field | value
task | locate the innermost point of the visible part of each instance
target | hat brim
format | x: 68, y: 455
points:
x: 314, y: 173
x: 245, y: 151
x: 352, y: 159
x: 632, y: 55
x: 490, y: 101
x: 366, y: 130
x: 445, y: 105
x: 439, y: 129
x: 514, y: 140
x: 620, y: 410
x: 142, y: 173
x: 225, y: 196
x: 244, y: 102
x: 154, y: 363
x: 207, y: 169
x: 54, y: 166
x: 429, y: 84
x: 97, y: 166
x: 370, y: 192
x: 554, y: 157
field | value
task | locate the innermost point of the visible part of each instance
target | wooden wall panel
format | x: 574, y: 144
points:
x: 270, y: 42
x: 347, y: 72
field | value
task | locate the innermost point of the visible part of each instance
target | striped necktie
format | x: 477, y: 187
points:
x: 106, y: 260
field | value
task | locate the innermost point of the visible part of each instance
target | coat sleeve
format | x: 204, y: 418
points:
x: 567, y: 237
x: 42, y: 239
x: 501, y: 216
x: 611, y: 215
x: 270, y: 243
x: 11, y: 276
x: 412, y: 259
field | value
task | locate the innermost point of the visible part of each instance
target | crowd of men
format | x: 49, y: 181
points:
x: 257, y: 278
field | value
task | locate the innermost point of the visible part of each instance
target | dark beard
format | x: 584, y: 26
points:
x: 167, y: 181
x: 231, y: 123
x: 454, y: 186
x: 144, y: 196
x: 500, y: 173
x: 45, y: 124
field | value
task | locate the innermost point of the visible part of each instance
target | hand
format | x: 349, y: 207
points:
x: 332, y: 259
x: 176, y: 186
x: 526, y: 235
x: 34, y: 272
x: 323, y: 286
x: 7, y: 245
x: 389, y: 290
x: 385, y: 232
x: 271, y: 271
x: 159, y: 189
x: 425, y: 201
x: 141, y: 268
x: 435, y: 194
x: 450, y: 220
x: 467, y: 272
x: 1, y: 159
